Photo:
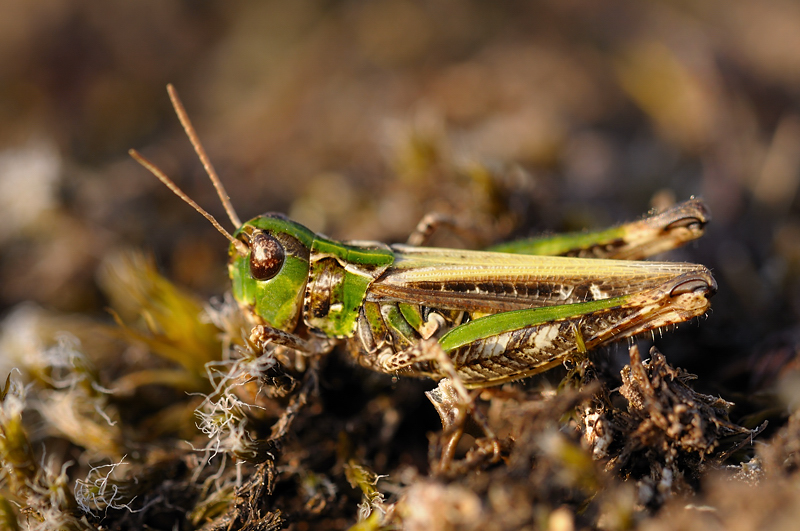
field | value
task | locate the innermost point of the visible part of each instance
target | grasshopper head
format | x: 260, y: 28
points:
x: 268, y: 255
x: 269, y: 280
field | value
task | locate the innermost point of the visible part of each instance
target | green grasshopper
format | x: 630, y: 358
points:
x: 498, y: 315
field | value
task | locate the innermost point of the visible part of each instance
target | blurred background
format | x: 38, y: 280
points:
x: 358, y: 117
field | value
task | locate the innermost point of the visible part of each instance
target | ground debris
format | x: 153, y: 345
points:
x: 668, y: 435
x: 781, y: 458
x: 247, y: 510
x: 543, y: 473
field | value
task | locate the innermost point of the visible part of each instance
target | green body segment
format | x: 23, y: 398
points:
x: 403, y: 334
x: 492, y: 325
x: 563, y: 244
x: 636, y: 240
x: 411, y: 314
x: 277, y: 223
x: 338, y: 282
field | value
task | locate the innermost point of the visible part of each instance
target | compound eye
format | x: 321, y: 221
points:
x: 266, y: 256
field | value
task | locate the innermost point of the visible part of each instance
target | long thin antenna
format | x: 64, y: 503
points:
x: 241, y: 247
x: 201, y: 152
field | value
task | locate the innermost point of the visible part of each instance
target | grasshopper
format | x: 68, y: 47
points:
x: 498, y: 315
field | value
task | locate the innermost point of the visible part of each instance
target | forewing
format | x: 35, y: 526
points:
x: 492, y: 282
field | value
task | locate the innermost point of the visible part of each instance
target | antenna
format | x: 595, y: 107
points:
x: 201, y: 152
x: 241, y: 247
